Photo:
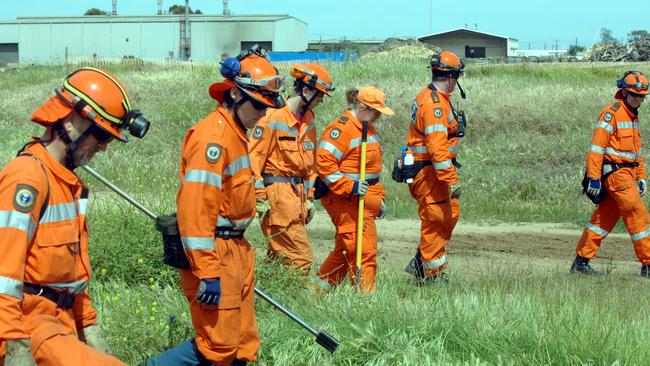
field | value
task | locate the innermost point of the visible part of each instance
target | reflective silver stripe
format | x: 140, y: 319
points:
x: 309, y: 145
x: 74, y: 287
x: 237, y: 165
x: 259, y: 183
x: 597, y: 149
x: 356, y: 176
x: 453, y: 149
x: 324, y: 285
x: 606, y: 126
x: 596, y: 229
x: 309, y: 183
x: 237, y: 224
x: 435, y: 128
x: 641, y: 235
x: 442, y: 165
x: 435, y: 264
x: 11, y: 287
x: 333, y: 177
x: 18, y: 220
x: 418, y: 149
x: 331, y: 148
x: 60, y: 212
x: 371, y: 140
x: 276, y: 125
x: 627, y: 125
x: 203, y: 176
x: 197, y: 243
x: 83, y: 206
x: 627, y: 155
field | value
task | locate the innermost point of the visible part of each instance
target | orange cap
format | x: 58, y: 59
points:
x: 374, y: 98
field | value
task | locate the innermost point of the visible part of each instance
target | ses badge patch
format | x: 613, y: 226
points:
x: 608, y: 117
x: 213, y: 153
x: 437, y: 112
x: 25, y: 198
x: 258, y: 132
x: 335, y: 133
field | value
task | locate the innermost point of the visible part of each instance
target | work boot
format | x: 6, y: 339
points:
x: 645, y: 270
x: 238, y: 363
x: 415, y: 267
x: 581, y: 264
x: 438, y: 280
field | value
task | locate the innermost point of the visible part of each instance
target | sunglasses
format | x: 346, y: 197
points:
x: 642, y: 96
x: 259, y: 106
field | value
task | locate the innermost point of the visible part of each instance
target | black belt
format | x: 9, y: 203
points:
x: 373, y: 181
x: 228, y: 233
x: 270, y: 179
x: 618, y: 166
x: 60, y: 298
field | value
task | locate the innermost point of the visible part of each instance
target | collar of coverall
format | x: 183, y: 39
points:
x: 306, y: 118
x: 48, y: 160
x: 231, y: 121
x: 445, y: 95
x: 632, y: 112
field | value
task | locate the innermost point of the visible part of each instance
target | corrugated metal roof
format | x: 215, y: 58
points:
x: 466, y: 30
x: 150, y: 18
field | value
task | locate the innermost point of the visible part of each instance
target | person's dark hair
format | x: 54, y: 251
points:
x: 298, y: 85
x: 351, y: 97
x: 227, y: 99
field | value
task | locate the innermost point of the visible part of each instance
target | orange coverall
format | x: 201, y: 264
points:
x: 617, y: 140
x: 217, y: 191
x: 282, y: 151
x: 50, y: 250
x: 431, y: 138
x: 338, y: 160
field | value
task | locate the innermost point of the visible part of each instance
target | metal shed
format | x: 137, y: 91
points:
x: 471, y: 43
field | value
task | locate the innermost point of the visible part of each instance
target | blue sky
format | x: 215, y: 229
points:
x: 538, y: 25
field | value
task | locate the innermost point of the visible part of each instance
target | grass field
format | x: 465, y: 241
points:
x: 523, y: 157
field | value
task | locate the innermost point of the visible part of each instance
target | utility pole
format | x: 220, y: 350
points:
x: 430, y: 16
x: 114, y: 12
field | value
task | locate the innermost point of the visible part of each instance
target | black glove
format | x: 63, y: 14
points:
x: 409, y: 171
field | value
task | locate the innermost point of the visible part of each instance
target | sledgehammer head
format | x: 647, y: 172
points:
x: 327, y: 341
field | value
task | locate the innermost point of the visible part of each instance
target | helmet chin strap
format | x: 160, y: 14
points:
x: 243, y: 100
x: 72, y: 145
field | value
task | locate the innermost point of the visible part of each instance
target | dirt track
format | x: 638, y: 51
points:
x: 551, y: 245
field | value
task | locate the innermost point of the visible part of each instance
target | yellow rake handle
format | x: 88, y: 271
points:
x: 362, y: 177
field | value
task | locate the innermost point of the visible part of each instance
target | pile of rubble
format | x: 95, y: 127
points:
x: 400, y: 48
x: 630, y: 52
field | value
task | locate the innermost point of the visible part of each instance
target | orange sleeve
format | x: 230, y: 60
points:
x: 331, y: 150
x: 599, y: 142
x: 23, y: 189
x: 311, y: 170
x: 433, y: 120
x: 199, y: 199
x: 258, y: 150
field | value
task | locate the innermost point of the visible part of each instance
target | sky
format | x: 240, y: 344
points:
x: 536, y: 24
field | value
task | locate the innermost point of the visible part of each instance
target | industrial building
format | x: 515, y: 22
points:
x: 45, y: 40
x: 471, y: 43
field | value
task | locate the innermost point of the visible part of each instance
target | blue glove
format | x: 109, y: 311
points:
x: 209, y: 291
x: 593, y: 188
x: 360, y: 188
x: 643, y: 187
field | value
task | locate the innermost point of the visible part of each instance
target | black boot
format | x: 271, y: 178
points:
x: 415, y: 266
x: 581, y: 265
x: 438, y: 280
x: 238, y: 363
x: 645, y: 270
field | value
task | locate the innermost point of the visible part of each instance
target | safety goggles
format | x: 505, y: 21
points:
x: 273, y: 84
x: 259, y: 106
x: 642, y: 96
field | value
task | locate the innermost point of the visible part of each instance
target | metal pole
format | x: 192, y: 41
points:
x: 322, y: 338
x: 362, y: 177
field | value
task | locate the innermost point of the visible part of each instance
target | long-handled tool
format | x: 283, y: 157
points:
x: 362, y: 177
x: 323, y: 338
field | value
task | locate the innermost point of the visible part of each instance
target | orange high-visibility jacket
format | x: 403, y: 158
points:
x: 339, y: 154
x: 49, y: 250
x: 216, y: 188
x: 616, y: 139
x: 282, y: 146
x: 431, y: 133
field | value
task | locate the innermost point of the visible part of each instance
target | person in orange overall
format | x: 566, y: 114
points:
x: 46, y: 316
x: 338, y: 160
x: 282, y: 151
x: 216, y: 203
x: 433, y: 139
x: 615, y: 177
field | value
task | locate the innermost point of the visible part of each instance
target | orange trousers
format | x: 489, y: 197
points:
x: 622, y: 201
x: 228, y: 330
x: 284, y: 226
x: 438, y: 215
x: 342, y: 260
x: 53, y: 336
